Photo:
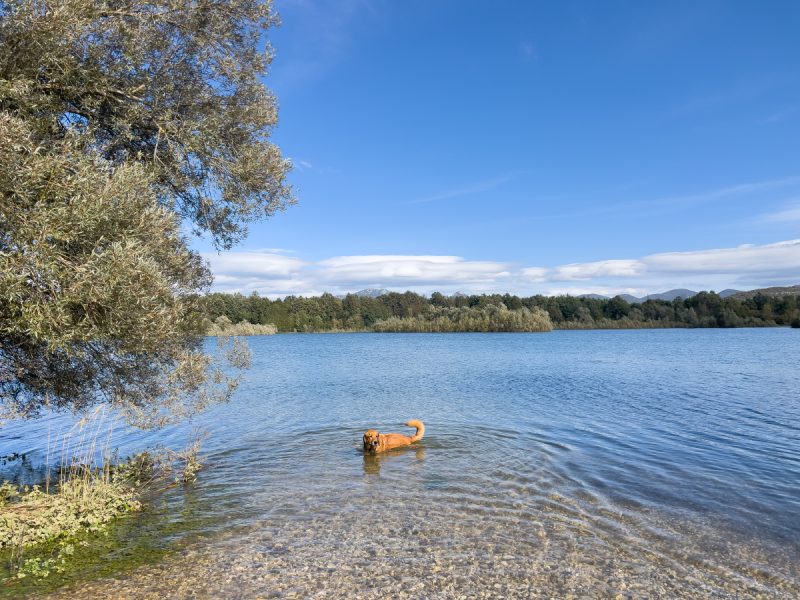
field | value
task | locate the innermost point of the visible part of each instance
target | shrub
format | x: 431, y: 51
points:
x: 490, y: 318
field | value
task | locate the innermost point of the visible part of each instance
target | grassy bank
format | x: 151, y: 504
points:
x: 38, y: 525
x: 42, y: 526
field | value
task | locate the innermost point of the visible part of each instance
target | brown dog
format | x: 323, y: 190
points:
x: 375, y: 442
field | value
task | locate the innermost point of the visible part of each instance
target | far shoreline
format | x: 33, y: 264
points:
x: 555, y: 328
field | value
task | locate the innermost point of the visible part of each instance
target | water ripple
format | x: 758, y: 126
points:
x: 646, y: 463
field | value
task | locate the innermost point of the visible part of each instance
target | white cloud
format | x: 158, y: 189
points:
x: 275, y: 275
x: 262, y: 264
x: 266, y: 272
x: 741, y: 267
x: 410, y: 269
x: 593, y: 270
x: 744, y: 266
x: 535, y: 273
x: 782, y: 256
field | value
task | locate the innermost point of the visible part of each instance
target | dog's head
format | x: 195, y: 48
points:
x: 371, y: 440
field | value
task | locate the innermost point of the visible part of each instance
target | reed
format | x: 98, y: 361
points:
x: 620, y: 324
x: 494, y: 318
x: 41, y: 525
x: 222, y: 326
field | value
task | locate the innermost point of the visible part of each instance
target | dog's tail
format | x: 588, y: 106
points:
x: 420, y: 430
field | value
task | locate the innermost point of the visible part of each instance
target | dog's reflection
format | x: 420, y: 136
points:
x: 372, y: 462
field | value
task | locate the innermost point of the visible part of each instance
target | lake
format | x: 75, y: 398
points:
x: 646, y: 463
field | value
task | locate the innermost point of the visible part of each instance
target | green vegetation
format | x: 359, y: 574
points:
x: 222, y: 326
x: 42, y: 526
x: 490, y: 318
x: 119, y: 122
x: 38, y: 529
x: 412, y: 312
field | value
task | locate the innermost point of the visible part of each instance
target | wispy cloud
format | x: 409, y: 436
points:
x: 780, y: 116
x: 675, y: 202
x: 791, y: 214
x: 743, y: 91
x: 302, y: 165
x: 744, y: 266
x: 741, y: 189
x: 467, y: 190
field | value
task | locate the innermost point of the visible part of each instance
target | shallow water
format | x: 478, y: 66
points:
x: 662, y: 463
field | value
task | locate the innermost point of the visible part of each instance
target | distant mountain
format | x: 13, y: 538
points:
x: 630, y: 299
x: 671, y: 295
x: 774, y: 292
x: 729, y: 292
x: 684, y: 293
x: 668, y: 296
x: 371, y: 292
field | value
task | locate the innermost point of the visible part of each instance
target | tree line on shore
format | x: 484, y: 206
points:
x: 496, y: 312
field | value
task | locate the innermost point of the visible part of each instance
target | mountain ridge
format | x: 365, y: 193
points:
x: 668, y: 295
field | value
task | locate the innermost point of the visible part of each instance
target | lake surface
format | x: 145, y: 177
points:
x: 648, y: 463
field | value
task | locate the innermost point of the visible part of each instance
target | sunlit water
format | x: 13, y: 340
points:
x: 643, y: 463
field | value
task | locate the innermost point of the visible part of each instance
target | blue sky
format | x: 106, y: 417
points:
x: 532, y: 147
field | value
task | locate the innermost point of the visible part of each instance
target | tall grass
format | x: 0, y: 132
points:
x: 495, y: 318
x: 223, y: 326
x: 83, y: 492
x: 88, y: 493
x: 623, y: 323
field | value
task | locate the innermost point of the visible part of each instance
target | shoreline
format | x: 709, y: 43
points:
x: 555, y: 328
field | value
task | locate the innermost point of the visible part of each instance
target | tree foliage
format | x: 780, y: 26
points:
x: 171, y: 84
x: 412, y: 312
x: 496, y: 318
x: 119, y: 121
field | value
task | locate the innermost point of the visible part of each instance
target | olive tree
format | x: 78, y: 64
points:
x: 124, y: 123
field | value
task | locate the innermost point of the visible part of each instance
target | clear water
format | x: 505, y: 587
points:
x: 649, y: 463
